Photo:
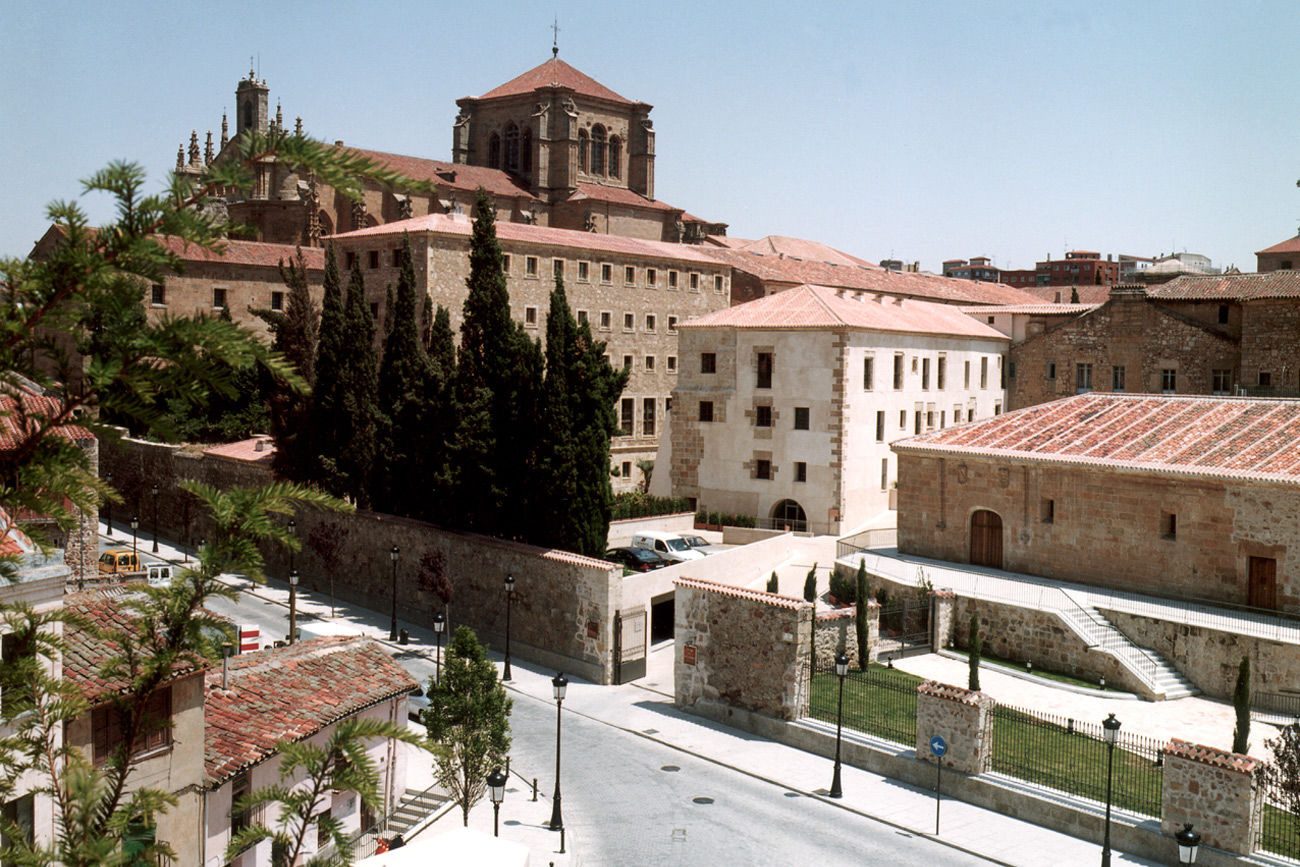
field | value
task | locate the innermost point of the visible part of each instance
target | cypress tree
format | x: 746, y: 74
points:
x: 1241, y: 703
x: 557, y: 456
x: 296, y: 331
x: 973, y: 651
x: 359, y: 382
x: 772, y: 584
x: 440, y: 419
x: 860, y: 617
x: 327, y: 397
x: 810, y: 584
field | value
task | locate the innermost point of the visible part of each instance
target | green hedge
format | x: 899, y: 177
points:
x: 723, y: 519
x: 635, y: 504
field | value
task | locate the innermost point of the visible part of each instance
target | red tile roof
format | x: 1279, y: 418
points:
x: 15, y: 542
x: 257, y: 450
x: 554, y: 73
x: 776, y: 600
x: 22, y: 414
x: 823, y: 308
x: 238, y: 252
x: 617, y: 196
x: 446, y: 224
x: 1211, y: 756
x: 948, y: 692
x: 1230, y: 287
x: 1029, y: 309
x: 1087, y: 294
x: 1290, y: 245
x: 801, y: 248
x: 457, y: 176
x: 1251, y: 439
x: 291, y: 693
x: 795, y: 271
x: 88, y: 649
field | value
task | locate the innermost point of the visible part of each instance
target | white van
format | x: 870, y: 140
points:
x: 670, y: 546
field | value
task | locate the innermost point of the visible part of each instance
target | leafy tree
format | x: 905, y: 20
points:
x: 440, y: 419
x: 1241, y: 703
x: 468, y: 720
x: 1283, y: 774
x: 973, y: 652
x: 647, y: 468
x: 773, y: 585
x: 860, y: 616
x: 1074, y: 294
x: 810, y: 584
x: 308, y: 773
x: 358, y: 384
x: 327, y: 438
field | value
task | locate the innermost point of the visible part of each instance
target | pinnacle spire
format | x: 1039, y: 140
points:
x: 555, y: 37
x: 207, y: 150
x: 279, y: 117
x: 180, y: 156
x: 194, y: 147
x: 297, y: 125
x: 225, y: 130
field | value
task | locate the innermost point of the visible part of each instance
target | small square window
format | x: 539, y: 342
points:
x: 1168, y: 525
x: 629, y: 274
x: 1169, y: 380
x: 374, y: 258
x: 762, y: 469
x: 801, y: 418
x: 800, y: 471
x: 351, y: 259
x: 159, y: 294
x: 606, y: 320
x: 397, y: 258
x: 277, y: 300
x: 505, y: 262
x: 651, y: 277
x: 584, y: 271
x: 706, y: 410
x: 695, y: 281
x: 557, y: 268
x: 627, y: 469
x: 650, y: 322
x: 672, y: 279
x: 629, y: 322
x: 1265, y: 379
x: 672, y: 324
x: 649, y: 362
x: 717, y: 283
x: 219, y: 298
x: 762, y: 416
x: 708, y: 362
x: 583, y: 318
x: 1047, y: 511
x: 530, y: 317
x: 672, y: 362
x: 607, y: 273
x: 530, y: 266
x: 627, y: 362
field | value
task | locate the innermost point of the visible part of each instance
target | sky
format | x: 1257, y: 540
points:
x: 921, y: 131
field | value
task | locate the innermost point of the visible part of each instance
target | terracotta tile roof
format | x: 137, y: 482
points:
x: 291, y: 693
x: 1230, y: 287
x: 1211, y: 756
x: 22, y: 413
x: 823, y: 308
x: 15, y: 542
x: 776, y: 600
x: 1251, y: 439
x: 446, y: 224
x: 618, y: 196
x: 457, y: 176
x: 795, y: 271
x: 1087, y: 294
x: 554, y: 72
x: 257, y: 450
x: 727, y: 241
x: 87, y: 650
x: 1029, y: 309
x: 238, y: 252
x: 1290, y: 245
x: 953, y: 693
x: 801, y: 248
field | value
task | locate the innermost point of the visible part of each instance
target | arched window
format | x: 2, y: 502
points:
x: 789, y: 515
x: 598, y: 150
x: 615, y: 156
x: 583, y: 150
x: 526, y: 151
x: 494, y: 151
x: 326, y: 224
x: 512, y: 148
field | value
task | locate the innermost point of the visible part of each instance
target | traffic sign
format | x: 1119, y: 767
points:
x: 938, y: 746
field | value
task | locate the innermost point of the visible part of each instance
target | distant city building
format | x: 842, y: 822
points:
x: 977, y: 268
x: 900, y: 266
x: 1166, y: 268
x: 1131, y: 266
x: 1279, y: 257
x: 1078, y: 268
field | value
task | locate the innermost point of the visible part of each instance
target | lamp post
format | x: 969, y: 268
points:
x: 497, y: 786
x: 392, y: 631
x: 510, y: 598
x: 841, y: 669
x: 293, y: 533
x: 108, y: 506
x: 559, y: 683
x: 293, y: 605
x: 1188, y: 842
x: 154, y: 492
x: 439, y: 624
x: 135, y: 525
x: 1111, y: 727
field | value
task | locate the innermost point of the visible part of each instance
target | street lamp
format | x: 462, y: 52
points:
x: 559, y: 683
x: 1111, y: 727
x: 154, y: 491
x: 439, y: 624
x: 841, y: 669
x: 293, y: 533
x: 135, y: 525
x: 497, y: 786
x: 293, y: 605
x: 510, y: 598
x: 1188, y: 841
x: 394, y: 554
x: 108, y: 506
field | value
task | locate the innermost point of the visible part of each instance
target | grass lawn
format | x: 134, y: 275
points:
x: 1281, y: 832
x: 1037, y: 672
x: 881, y: 702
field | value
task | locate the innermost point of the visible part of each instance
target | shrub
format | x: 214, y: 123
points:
x: 772, y: 584
x: 635, y: 504
x: 973, y: 648
x: 860, y: 616
x: 1241, y: 701
x: 810, y: 584
x: 845, y: 590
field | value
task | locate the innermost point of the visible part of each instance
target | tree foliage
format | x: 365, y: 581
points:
x: 860, y: 615
x: 973, y: 651
x: 810, y: 584
x: 1241, y: 703
x: 294, y: 333
x: 1283, y: 773
x: 468, y: 720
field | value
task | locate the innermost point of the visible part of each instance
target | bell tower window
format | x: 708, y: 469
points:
x: 526, y: 151
x: 494, y: 151
x: 615, y: 155
x: 248, y: 114
x: 598, y: 150
x: 584, y: 151
x: 512, y: 148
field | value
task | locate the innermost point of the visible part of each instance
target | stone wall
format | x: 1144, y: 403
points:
x: 1268, y: 342
x: 964, y: 719
x: 1216, y: 791
x: 742, y: 648
x: 837, y: 633
x: 621, y: 531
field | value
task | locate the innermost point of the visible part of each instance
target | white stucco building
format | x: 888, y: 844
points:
x: 785, y: 406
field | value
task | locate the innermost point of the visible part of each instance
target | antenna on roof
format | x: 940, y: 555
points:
x: 555, y: 37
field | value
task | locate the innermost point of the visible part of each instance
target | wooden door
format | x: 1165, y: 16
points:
x: 986, y: 539
x: 1262, y: 592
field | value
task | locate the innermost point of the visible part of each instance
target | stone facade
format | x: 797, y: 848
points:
x: 837, y: 633
x: 742, y: 648
x: 964, y: 719
x: 1270, y: 345
x: 1218, y: 792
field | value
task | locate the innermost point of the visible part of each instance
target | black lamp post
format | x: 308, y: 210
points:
x: 293, y: 605
x: 293, y: 532
x: 841, y: 669
x: 560, y: 683
x: 1111, y: 727
x: 135, y: 525
x: 439, y: 624
x: 510, y: 598
x: 154, y: 492
x: 108, y: 506
x: 1188, y: 842
x: 392, y: 631
x: 497, y: 786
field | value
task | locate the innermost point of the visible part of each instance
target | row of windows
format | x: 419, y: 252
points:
x: 220, y: 297
x: 598, y: 156
x: 923, y: 420
x: 765, y: 471
x: 649, y: 361
x: 939, y: 368
x: 1221, y: 381
x: 518, y: 151
x: 605, y: 320
x: 653, y: 278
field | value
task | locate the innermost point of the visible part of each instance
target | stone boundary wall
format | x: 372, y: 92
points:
x: 748, y: 535
x: 1209, y: 657
x: 745, y: 648
x: 621, y: 531
x: 963, y: 718
x: 1217, y: 791
x: 564, y: 604
x: 837, y: 631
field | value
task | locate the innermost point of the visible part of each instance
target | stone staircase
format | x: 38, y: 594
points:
x: 414, y: 808
x: 1161, y: 679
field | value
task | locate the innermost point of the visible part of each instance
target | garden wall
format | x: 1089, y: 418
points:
x: 837, y: 632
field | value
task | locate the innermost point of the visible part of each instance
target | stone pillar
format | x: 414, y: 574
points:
x: 941, y: 619
x: 965, y: 721
x: 1217, y: 791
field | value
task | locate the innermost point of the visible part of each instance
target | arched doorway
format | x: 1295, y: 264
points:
x: 789, y: 515
x: 986, y: 539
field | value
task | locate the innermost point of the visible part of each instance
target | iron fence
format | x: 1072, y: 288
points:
x: 877, y: 701
x: 1280, y: 828
x: 1285, y: 703
x: 1071, y: 756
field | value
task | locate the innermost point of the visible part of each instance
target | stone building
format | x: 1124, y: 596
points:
x: 1165, y: 495
x: 785, y: 406
x: 1279, y: 257
x: 633, y: 293
x: 1078, y: 268
x: 1196, y: 334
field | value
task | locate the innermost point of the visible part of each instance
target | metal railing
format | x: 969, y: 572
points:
x: 877, y: 701
x: 1280, y: 829
x: 1205, y: 613
x: 365, y: 842
x: 1070, y: 755
x: 1281, y: 703
x: 866, y: 540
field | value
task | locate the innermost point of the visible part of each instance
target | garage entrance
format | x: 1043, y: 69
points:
x: 663, y: 624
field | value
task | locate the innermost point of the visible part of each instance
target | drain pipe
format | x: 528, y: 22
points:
x: 225, y: 664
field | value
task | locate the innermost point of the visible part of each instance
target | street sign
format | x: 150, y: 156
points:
x: 938, y: 746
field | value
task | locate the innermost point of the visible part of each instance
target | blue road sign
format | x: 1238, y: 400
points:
x: 938, y: 746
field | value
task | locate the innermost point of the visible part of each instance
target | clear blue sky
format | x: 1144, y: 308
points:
x: 921, y: 131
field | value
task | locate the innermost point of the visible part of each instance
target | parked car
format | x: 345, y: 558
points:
x: 636, y: 559
x: 119, y: 561
x: 701, y: 544
x: 416, y: 703
x: 670, y: 546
